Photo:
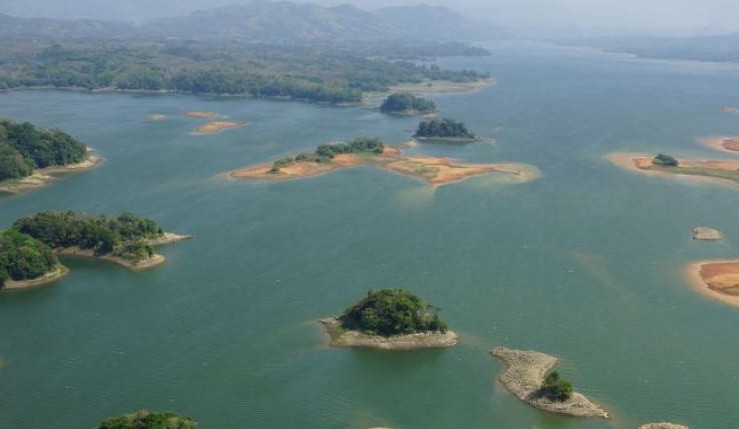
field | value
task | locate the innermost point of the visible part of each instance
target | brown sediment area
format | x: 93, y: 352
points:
x: 706, y: 171
x: 418, y: 341
x: 218, y: 126
x: 663, y: 425
x: 52, y: 276
x: 718, y: 279
x: 432, y: 170
x: 201, y: 114
x: 524, y: 374
x: 728, y: 144
x: 44, y: 176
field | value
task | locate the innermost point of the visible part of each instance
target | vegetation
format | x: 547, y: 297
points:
x: 663, y: 160
x: 390, y: 312
x: 125, y: 236
x: 404, y: 103
x: 147, y: 420
x: 555, y: 388
x: 24, y: 148
x: 443, y: 128
x: 326, y: 152
x: 24, y: 258
x: 312, y: 73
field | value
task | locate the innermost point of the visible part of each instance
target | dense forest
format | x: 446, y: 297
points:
x: 406, y: 103
x: 390, y: 312
x: 325, y: 152
x: 24, y: 148
x: 24, y: 258
x: 125, y: 236
x: 310, y: 73
x: 147, y: 420
x: 443, y: 128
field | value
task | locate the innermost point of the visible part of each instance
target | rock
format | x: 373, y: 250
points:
x: 706, y: 233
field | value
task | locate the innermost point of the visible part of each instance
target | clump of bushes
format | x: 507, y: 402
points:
x: 663, y: 160
x: 555, y: 388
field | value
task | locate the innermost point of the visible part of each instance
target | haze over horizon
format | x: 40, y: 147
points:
x: 534, y: 17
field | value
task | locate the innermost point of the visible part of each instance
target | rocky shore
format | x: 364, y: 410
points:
x: 523, y: 376
x: 426, y: 340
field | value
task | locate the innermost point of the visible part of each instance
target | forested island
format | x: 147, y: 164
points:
x: 368, y: 150
x: 30, y: 153
x: 406, y: 104
x: 443, y: 129
x: 390, y: 319
x: 28, y: 251
x: 148, y: 420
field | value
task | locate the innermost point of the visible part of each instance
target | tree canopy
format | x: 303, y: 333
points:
x: 123, y: 236
x: 443, y: 128
x: 23, y: 147
x: 390, y: 312
x: 404, y: 102
x: 24, y: 258
x: 555, y: 388
x: 148, y: 420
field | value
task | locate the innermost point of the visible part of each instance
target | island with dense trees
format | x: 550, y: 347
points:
x: 443, y: 129
x: 368, y: 150
x: 403, y: 103
x: 529, y: 377
x: 390, y: 319
x: 29, y: 156
x: 720, y: 170
x: 26, y: 262
x: 148, y: 420
x: 127, y: 240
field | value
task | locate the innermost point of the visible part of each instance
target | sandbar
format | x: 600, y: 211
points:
x: 218, y: 126
x: 718, y: 279
x: 433, y: 171
x: 729, y: 144
x: 523, y: 376
x: 663, y: 425
x: 419, y: 341
x: 52, y: 276
x: 706, y: 233
x: 201, y: 114
x: 44, y: 176
x: 156, y: 117
x: 730, y: 109
x: 706, y: 171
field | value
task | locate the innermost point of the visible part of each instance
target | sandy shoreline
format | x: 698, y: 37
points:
x: 47, y: 278
x: 663, y: 425
x: 431, y: 340
x: 524, y: 375
x: 710, y: 278
x: 433, y: 171
x: 45, y: 176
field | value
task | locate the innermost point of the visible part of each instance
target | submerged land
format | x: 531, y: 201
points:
x: 434, y: 171
x: 524, y: 375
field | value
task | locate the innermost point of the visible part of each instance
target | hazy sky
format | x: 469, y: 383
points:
x: 627, y: 15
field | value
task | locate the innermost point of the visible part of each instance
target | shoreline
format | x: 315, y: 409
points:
x: 340, y: 338
x: 693, y: 273
x: 59, y: 272
x: 45, y: 176
x: 524, y: 374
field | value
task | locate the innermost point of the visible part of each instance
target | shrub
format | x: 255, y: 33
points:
x: 663, y: 160
x: 555, y: 388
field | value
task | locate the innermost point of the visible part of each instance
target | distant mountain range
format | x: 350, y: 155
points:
x: 269, y: 21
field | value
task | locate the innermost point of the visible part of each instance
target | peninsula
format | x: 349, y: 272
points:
x: 30, y: 157
x: 127, y: 240
x: 706, y: 170
x: 527, y: 376
x: 432, y: 170
x: 390, y: 319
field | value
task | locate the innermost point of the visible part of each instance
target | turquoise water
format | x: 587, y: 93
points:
x: 584, y: 263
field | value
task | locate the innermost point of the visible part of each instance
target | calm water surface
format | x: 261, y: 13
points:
x: 584, y: 263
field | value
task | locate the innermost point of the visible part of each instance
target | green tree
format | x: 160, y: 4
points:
x: 148, y: 420
x: 664, y: 160
x: 555, y: 388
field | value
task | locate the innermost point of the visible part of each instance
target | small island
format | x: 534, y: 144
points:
x: 721, y: 143
x: 718, y: 279
x: 663, y: 425
x: 148, y: 420
x: 705, y: 233
x: 403, y: 103
x: 126, y: 240
x: 201, y: 114
x: 218, y: 126
x: 31, y: 157
x: 26, y: 262
x: 390, y: 319
x: 367, y: 150
x: 662, y: 164
x: 527, y: 376
x: 444, y: 130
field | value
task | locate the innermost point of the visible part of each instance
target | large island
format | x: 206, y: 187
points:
x: 31, y: 157
x: 329, y: 157
x: 390, y: 319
